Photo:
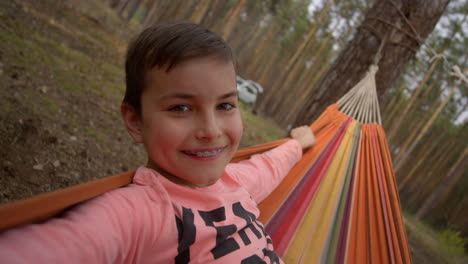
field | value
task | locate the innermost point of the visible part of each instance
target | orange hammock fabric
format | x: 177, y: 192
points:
x: 339, y: 204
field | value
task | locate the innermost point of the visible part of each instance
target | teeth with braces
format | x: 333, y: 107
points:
x: 204, y: 153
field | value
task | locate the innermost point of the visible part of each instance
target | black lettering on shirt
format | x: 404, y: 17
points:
x: 187, y: 233
x: 259, y: 225
x: 224, y: 245
x: 274, y: 259
x: 249, y: 218
x: 254, y: 259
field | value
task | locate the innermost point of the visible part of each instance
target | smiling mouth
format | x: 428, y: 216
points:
x: 204, y: 154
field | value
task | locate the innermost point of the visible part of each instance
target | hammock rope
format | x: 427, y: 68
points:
x: 339, y: 204
x: 361, y: 101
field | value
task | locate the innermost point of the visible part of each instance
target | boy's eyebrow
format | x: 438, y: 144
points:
x: 178, y: 95
x: 188, y: 95
x: 231, y: 94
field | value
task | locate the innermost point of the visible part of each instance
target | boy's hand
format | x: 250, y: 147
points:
x: 304, y: 135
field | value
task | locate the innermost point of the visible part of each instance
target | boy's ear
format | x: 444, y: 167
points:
x: 132, y: 122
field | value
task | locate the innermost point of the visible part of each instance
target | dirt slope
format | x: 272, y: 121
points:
x: 61, y: 83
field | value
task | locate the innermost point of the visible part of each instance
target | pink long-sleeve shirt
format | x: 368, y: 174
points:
x: 156, y: 221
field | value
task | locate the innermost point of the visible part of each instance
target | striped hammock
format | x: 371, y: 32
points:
x: 339, y: 204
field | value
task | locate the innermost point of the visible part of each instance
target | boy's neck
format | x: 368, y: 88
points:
x: 173, y: 178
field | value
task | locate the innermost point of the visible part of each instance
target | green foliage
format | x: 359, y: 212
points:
x: 257, y: 130
x: 253, y: 6
x: 442, y: 246
x: 349, y: 8
x: 293, y: 17
x: 140, y: 13
x: 452, y: 241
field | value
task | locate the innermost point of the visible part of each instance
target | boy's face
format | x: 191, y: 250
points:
x: 190, y: 124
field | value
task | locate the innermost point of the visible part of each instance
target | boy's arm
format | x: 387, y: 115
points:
x: 106, y: 229
x: 263, y: 172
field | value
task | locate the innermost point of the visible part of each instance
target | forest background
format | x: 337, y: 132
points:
x: 61, y: 71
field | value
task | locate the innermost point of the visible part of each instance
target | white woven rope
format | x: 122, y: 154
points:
x: 361, y: 101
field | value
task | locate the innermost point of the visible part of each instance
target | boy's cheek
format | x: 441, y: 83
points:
x: 239, y: 132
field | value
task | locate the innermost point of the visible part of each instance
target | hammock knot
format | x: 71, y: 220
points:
x: 373, y: 69
x: 456, y: 71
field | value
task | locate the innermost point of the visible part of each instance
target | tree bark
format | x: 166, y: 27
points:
x: 155, y: 10
x: 134, y: 5
x: 291, y: 82
x: 404, y: 152
x: 200, y: 11
x: 456, y: 171
x: 267, y: 102
x: 232, y: 19
x: 414, y: 96
x: 404, y: 24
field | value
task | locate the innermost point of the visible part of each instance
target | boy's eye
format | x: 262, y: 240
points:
x: 226, y: 106
x: 179, y: 108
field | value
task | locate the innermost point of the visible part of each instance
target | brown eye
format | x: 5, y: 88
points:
x: 226, y: 106
x: 179, y: 108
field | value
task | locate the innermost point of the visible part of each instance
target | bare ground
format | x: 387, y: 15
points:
x: 61, y: 82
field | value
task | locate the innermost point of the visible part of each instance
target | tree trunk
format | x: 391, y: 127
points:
x: 134, y: 5
x: 389, y: 108
x: 200, y: 11
x: 325, y: 12
x: 445, y: 186
x: 396, y: 20
x: 232, y: 19
x: 270, y: 101
x: 292, y: 84
x: 114, y: 3
x: 418, y: 166
x: 414, y: 96
x: 213, y: 21
x: 403, y: 153
x: 155, y: 11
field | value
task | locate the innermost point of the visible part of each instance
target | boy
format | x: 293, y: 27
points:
x: 187, y: 204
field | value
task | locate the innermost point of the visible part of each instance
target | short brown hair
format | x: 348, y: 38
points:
x: 166, y: 45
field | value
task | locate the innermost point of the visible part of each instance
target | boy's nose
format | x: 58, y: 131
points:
x: 209, y: 128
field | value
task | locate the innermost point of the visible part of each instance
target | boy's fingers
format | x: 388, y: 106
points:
x: 299, y: 130
x: 304, y: 135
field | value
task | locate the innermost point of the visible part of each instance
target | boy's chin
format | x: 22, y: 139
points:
x: 192, y: 183
x: 201, y: 185
x: 188, y: 180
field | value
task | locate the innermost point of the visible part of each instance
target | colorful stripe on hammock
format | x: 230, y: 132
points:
x: 340, y: 204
